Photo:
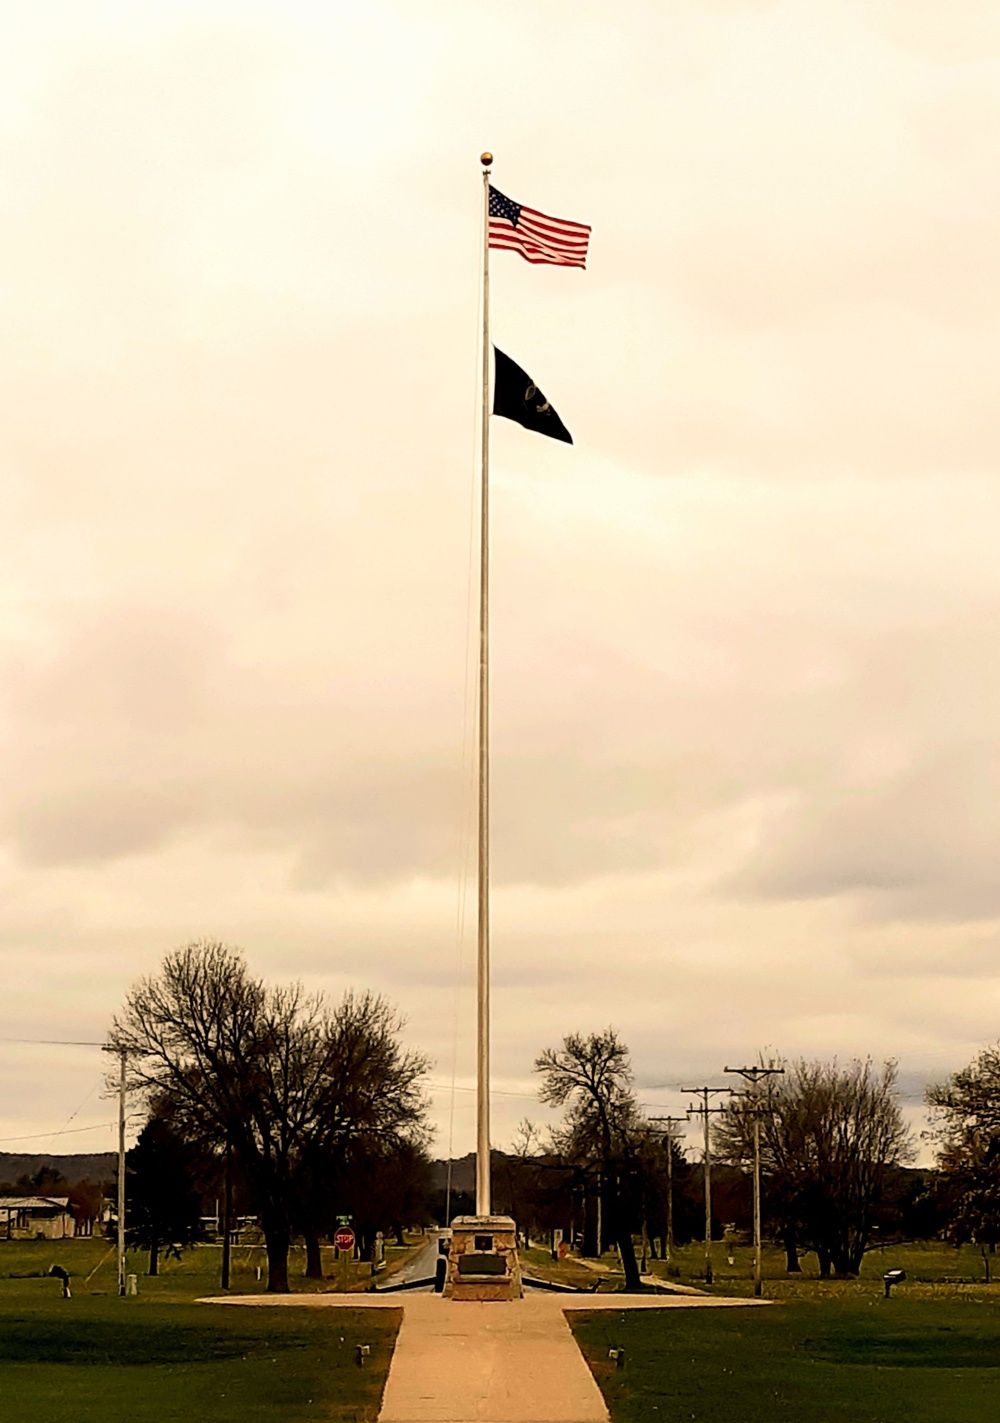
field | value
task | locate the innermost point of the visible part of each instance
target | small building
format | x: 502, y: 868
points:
x: 36, y: 1218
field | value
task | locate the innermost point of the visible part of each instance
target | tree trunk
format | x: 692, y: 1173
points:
x: 848, y: 1262
x: 154, y: 1256
x: 591, y: 1247
x: 314, y: 1259
x: 629, y: 1263
x: 623, y: 1239
x: 792, y: 1265
x: 277, y: 1237
x: 824, y: 1264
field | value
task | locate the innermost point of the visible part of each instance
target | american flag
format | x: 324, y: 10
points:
x: 538, y: 238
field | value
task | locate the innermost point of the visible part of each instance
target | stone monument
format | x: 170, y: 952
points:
x: 482, y: 1260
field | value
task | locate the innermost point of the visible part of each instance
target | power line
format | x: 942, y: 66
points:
x: 494, y: 1091
x: 66, y: 1131
x: 78, y: 1109
x: 55, y: 1042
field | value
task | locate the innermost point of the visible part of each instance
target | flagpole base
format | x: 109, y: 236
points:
x: 482, y: 1259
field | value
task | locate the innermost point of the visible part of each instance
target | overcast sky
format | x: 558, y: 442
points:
x: 746, y: 684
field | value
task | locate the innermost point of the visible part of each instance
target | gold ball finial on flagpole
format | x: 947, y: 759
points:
x: 486, y: 159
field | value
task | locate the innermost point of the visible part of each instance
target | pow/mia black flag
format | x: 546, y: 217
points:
x: 517, y: 397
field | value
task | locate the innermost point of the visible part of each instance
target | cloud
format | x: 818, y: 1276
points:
x: 898, y: 812
x: 744, y: 706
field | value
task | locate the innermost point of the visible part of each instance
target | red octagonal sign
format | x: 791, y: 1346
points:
x: 344, y: 1238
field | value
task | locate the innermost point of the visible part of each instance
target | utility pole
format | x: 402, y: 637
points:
x: 705, y: 1111
x: 754, y: 1076
x: 227, y: 1213
x: 668, y: 1137
x: 123, y: 1053
x: 123, y: 1061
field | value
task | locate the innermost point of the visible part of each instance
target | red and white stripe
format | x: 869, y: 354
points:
x: 542, y: 239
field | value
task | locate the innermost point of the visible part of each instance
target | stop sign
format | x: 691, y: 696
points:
x: 344, y: 1238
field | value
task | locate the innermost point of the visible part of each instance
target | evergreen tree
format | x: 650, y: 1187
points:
x: 162, y: 1202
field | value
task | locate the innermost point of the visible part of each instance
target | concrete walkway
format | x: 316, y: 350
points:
x: 460, y: 1362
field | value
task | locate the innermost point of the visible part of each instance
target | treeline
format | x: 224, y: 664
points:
x: 283, y: 1107
x: 834, y: 1145
x: 79, y: 1166
x: 834, y: 1150
x: 293, y: 1109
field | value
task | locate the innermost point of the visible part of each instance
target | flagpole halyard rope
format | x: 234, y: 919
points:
x: 467, y: 781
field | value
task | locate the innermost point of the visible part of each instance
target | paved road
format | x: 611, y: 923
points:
x: 422, y: 1265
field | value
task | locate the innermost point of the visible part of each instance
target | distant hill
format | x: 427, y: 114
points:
x: 92, y: 1166
x: 463, y: 1173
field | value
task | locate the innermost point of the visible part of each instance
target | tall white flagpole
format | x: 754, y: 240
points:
x: 483, y: 935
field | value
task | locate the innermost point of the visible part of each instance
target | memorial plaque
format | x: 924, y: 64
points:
x: 472, y: 1264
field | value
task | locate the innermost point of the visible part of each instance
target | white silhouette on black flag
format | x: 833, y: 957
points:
x: 517, y: 397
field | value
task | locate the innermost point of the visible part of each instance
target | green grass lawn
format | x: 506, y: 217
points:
x: 927, y: 1262
x: 160, y: 1357
x: 828, y: 1350
x: 539, y: 1263
x: 849, y: 1356
x: 93, y: 1266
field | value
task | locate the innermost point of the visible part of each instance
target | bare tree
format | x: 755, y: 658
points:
x: 967, y: 1127
x: 368, y: 1105
x: 591, y: 1077
x: 830, y: 1137
x: 518, y: 1170
x: 274, y: 1072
